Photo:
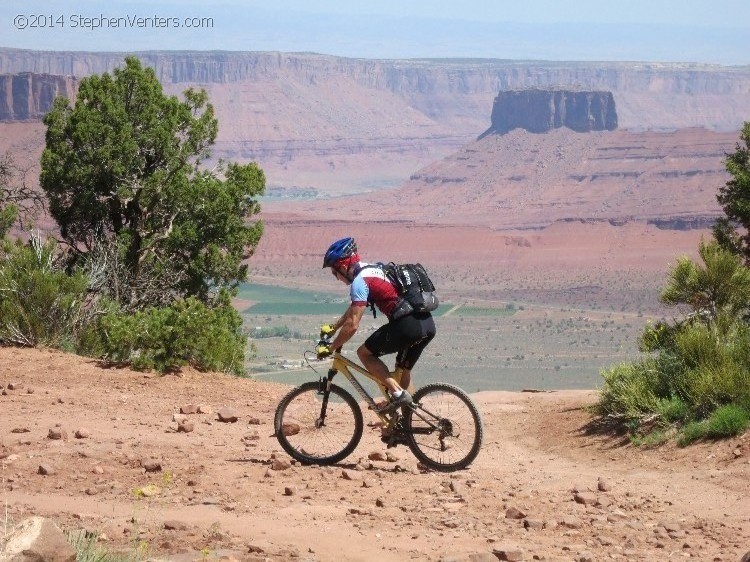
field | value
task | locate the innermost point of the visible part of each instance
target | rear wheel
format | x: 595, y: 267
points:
x: 444, y: 428
x: 318, y: 428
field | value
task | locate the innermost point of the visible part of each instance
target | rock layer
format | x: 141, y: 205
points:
x: 539, y: 111
x: 28, y: 96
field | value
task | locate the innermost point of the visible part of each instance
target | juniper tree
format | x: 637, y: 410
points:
x: 123, y: 172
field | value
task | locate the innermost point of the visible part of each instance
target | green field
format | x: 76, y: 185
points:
x: 275, y: 300
x: 272, y: 300
x: 478, y: 347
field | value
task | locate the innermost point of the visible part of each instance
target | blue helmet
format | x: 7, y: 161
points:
x: 339, y: 250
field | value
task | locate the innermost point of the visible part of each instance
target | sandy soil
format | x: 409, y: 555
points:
x: 213, y: 493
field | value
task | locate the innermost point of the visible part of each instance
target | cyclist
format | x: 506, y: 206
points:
x: 407, y: 336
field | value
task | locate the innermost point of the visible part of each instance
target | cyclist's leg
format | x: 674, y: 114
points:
x: 377, y: 368
x: 408, y: 356
x: 385, y: 340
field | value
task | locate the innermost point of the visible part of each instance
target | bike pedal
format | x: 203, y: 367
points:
x: 394, y: 440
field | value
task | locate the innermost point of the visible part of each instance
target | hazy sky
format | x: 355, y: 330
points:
x: 714, y: 31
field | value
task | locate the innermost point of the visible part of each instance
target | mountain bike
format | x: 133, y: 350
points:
x: 321, y: 423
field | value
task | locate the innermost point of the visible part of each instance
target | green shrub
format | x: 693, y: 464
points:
x: 728, y: 421
x: 628, y: 392
x: 672, y: 410
x: 165, y: 338
x: 653, y: 439
x: 40, y: 304
x: 692, y: 432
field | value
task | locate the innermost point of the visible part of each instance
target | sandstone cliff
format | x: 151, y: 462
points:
x: 454, y: 92
x: 539, y: 111
x: 28, y: 96
x: 336, y: 125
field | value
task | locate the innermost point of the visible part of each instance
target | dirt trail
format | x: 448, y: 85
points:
x: 220, y: 496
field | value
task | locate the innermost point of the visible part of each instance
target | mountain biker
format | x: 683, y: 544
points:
x: 408, y: 336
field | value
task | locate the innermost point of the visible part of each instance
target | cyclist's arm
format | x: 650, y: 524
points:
x: 348, y: 324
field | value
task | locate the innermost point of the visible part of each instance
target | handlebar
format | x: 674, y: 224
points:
x: 325, y: 340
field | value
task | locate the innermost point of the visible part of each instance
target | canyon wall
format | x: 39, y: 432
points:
x: 460, y: 92
x: 329, y: 125
x: 27, y: 96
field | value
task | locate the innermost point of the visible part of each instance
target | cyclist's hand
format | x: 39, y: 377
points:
x: 327, y: 330
x: 323, y: 350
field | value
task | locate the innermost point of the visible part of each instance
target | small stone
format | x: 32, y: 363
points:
x: 172, y: 525
x: 189, y: 409
x: 46, y: 470
x: 151, y: 466
x: 57, y: 434
x: 603, y: 486
x: 227, y: 415
x: 289, y: 490
x: 585, y: 498
x: 377, y: 456
x: 205, y: 409
x: 570, y: 522
x: 15, y: 386
x: 82, y: 433
x: 508, y: 554
x: 349, y: 475
x: 185, y: 427
x: 289, y: 429
x: 280, y: 464
x: 379, y: 502
x: 514, y: 513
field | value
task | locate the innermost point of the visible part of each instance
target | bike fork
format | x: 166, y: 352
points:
x: 324, y: 389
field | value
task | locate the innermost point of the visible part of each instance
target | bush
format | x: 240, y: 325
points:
x: 165, y: 338
x: 692, y: 432
x: 728, y: 421
x: 40, y: 304
x: 628, y: 392
x: 672, y: 410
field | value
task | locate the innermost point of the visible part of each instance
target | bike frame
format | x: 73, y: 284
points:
x: 345, y: 366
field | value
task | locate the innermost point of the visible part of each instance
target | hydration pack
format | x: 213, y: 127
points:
x: 413, y: 285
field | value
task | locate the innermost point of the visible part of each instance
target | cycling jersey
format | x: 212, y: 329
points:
x: 371, y: 284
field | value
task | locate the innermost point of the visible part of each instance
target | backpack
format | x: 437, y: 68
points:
x: 413, y: 285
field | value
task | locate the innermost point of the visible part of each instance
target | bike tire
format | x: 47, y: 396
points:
x: 300, y: 434
x: 456, y: 443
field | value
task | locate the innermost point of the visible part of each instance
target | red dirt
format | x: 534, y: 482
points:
x: 218, y: 485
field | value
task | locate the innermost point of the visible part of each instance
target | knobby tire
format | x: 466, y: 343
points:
x: 458, y: 437
x: 300, y: 434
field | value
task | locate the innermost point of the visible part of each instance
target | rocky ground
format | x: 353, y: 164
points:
x: 106, y: 450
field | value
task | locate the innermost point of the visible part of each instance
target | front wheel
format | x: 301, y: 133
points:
x: 318, y: 427
x: 443, y: 428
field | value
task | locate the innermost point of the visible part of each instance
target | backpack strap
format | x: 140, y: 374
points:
x: 370, y: 302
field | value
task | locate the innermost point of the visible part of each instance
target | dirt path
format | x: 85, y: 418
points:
x: 219, y: 495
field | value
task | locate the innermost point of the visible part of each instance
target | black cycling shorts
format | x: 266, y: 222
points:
x: 407, y: 336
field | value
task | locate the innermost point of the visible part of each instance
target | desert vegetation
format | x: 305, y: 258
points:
x: 152, y: 245
x: 694, y: 383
